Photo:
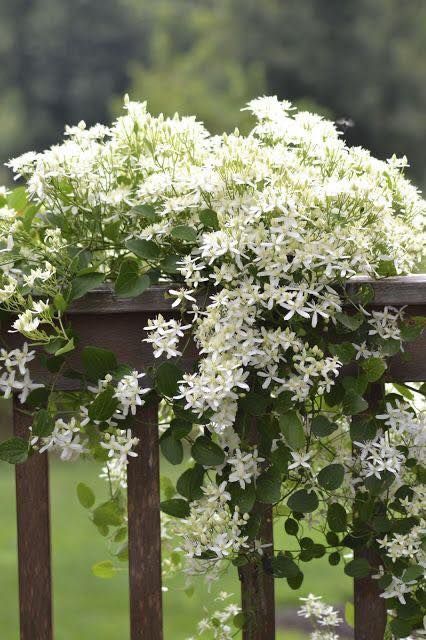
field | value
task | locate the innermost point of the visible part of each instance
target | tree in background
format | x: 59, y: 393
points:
x: 72, y: 59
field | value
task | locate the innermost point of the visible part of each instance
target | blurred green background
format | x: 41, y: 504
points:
x: 67, y: 60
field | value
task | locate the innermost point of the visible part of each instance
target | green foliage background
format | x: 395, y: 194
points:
x: 64, y: 60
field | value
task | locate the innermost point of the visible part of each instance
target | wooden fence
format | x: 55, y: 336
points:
x: 103, y: 320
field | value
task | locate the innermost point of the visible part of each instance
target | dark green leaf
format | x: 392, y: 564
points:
x: 14, y: 450
x: 98, y: 362
x: 268, y: 486
x: 207, y: 453
x: 353, y: 403
x: 331, y: 477
x: 358, y: 568
x: 292, y: 428
x: 209, y: 219
x: 171, y: 448
x: 43, y: 423
x: 176, y: 507
x: 167, y: 378
x: 243, y: 498
x: 303, y: 501
x: 190, y: 482
x: 345, y: 351
x: 336, y: 517
x: 146, y: 249
x: 184, y: 233
x: 129, y: 283
x: 104, y: 405
x: 322, y: 427
x: 85, y: 283
x: 284, y: 567
x: 295, y: 582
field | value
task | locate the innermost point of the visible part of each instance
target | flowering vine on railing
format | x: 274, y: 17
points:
x: 258, y: 235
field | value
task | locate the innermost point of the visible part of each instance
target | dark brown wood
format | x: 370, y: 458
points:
x: 399, y: 291
x: 370, y: 608
x: 144, y: 530
x: 33, y: 516
x: 257, y: 588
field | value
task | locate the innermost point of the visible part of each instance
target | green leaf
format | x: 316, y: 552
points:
x: 353, y: 403
x: 14, y: 450
x: 358, y: 568
x: 146, y: 211
x: 268, y: 486
x: 209, y: 219
x: 190, y: 482
x: 350, y: 614
x: 98, y: 362
x: 345, y: 351
x: 243, y: 498
x: 60, y: 302
x: 374, y: 368
x: 104, y: 405
x: 171, y: 448
x: 352, y: 322
x: 85, y: 283
x: 239, y: 620
x: 414, y: 572
x: 206, y: 452
x: 146, y: 249
x: 255, y: 404
x: 180, y: 428
x: 362, y: 429
x: 322, y: 427
x: 17, y: 199
x: 184, y: 233
x: 176, y: 507
x: 303, y: 501
x: 284, y: 567
x: 295, y: 582
x: 337, y: 518
x: 292, y: 428
x: 331, y: 477
x: 85, y: 496
x: 108, y: 514
x: 129, y: 283
x: 167, y: 378
x: 400, y: 628
x: 170, y: 264
x: 104, y: 570
x: 69, y: 346
x: 291, y: 527
x: 43, y: 424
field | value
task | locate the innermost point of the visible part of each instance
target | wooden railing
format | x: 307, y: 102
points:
x: 102, y: 320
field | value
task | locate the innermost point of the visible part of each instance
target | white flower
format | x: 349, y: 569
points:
x: 300, y: 460
x: 129, y: 393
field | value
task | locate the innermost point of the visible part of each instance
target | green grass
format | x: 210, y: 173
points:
x: 87, y: 608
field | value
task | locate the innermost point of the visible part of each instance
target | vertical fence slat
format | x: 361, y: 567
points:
x: 370, y: 608
x: 33, y: 521
x: 144, y: 530
x: 257, y: 589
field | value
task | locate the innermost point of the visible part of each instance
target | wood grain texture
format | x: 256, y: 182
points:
x: 144, y: 530
x: 399, y: 291
x: 370, y: 608
x: 257, y: 588
x: 33, y: 519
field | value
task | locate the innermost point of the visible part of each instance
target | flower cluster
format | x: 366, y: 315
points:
x: 254, y: 239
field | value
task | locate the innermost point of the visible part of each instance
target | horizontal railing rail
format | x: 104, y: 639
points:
x: 103, y: 319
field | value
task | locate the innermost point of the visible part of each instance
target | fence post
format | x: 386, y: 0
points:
x: 257, y: 588
x: 144, y: 529
x: 370, y: 608
x: 33, y: 521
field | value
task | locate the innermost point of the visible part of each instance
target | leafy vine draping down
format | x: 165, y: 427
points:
x: 259, y: 235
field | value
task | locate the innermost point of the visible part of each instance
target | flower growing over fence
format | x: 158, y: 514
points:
x: 256, y: 237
